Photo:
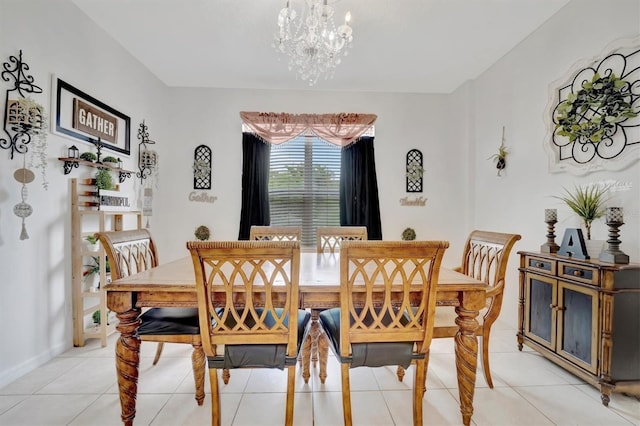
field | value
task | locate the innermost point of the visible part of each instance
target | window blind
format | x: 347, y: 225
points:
x: 304, y: 185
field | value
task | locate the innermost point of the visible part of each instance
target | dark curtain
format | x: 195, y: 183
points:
x: 256, y: 157
x: 359, y: 203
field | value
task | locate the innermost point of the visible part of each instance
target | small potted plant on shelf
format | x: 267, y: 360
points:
x: 88, y: 156
x: 113, y: 161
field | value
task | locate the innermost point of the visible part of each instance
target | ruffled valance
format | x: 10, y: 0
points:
x: 339, y: 129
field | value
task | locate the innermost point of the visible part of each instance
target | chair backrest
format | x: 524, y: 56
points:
x: 247, y: 292
x: 331, y: 237
x: 388, y: 291
x: 129, y: 252
x: 275, y: 233
x: 485, y: 257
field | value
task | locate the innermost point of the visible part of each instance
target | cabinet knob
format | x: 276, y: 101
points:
x: 552, y: 306
x: 561, y: 308
x: 539, y: 264
x: 578, y: 273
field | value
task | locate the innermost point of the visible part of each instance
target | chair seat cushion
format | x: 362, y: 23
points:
x: 374, y: 354
x: 168, y: 321
x: 262, y: 355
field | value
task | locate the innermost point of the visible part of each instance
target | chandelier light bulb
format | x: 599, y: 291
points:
x: 313, y: 43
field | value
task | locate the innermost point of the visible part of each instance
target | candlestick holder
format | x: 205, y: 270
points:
x: 550, y: 218
x: 613, y: 254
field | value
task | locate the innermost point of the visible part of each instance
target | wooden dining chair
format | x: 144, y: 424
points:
x: 330, y: 238
x: 485, y: 257
x: 130, y: 252
x: 386, y: 313
x: 248, y: 298
x: 275, y: 233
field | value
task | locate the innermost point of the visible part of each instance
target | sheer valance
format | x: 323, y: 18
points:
x: 339, y: 129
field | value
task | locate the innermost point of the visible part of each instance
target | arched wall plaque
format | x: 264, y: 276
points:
x: 589, y: 117
x: 202, y: 167
x: 415, y: 171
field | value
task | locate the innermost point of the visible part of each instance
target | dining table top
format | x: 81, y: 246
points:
x: 318, y: 272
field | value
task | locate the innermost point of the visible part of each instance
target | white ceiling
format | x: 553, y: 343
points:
x: 419, y: 46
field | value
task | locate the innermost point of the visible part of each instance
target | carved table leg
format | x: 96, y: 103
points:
x: 466, y: 348
x: 400, y: 373
x: 305, y: 358
x: 198, y: 365
x: 127, y: 362
x: 323, y: 355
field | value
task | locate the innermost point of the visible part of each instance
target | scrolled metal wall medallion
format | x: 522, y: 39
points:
x: 593, y: 117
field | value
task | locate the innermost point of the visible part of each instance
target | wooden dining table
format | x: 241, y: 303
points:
x: 172, y: 284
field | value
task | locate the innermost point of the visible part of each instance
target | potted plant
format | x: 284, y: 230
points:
x: 588, y: 202
x: 88, y: 156
x: 408, y: 234
x: 103, y: 179
x: 202, y: 233
x: 110, y: 159
x: 500, y: 158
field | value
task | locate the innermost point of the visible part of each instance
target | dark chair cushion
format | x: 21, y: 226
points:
x: 375, y: 354
x: 257, y: 355
x: 167, y: 321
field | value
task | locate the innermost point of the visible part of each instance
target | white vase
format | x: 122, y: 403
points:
x: 594, y: 247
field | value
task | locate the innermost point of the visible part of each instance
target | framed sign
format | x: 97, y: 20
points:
x: 83, y: 117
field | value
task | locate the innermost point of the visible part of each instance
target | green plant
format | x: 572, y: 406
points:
x: 91, y: 239
x: 408, y: 234
x: 96, y: 317
x: 415, y: 170
x: 594, y: 111
x: 202, y: 233
x: 500, y: 158
x: 104, y: 180
x: 109, y: 159
x: 88, y: 156
x: 587, y: 202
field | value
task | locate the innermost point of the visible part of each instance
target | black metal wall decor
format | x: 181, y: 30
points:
x: 594, y: 114
x: 19, y: 123
x: 202, y: 167
x: 147, y: 159
x: 415, y: 171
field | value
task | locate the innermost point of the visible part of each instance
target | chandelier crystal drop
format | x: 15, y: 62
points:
x: 311, y: 40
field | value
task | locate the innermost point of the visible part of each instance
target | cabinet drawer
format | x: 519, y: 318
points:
x: 541, y: 265
x: 583, y: 274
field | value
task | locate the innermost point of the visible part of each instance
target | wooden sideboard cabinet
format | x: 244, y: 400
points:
x: 584, y: 315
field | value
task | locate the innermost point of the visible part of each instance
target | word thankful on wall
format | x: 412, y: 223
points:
x: 413, y: 202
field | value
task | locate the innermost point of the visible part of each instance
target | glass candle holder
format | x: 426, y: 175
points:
x: 550, y: 215
x: 614, y: 215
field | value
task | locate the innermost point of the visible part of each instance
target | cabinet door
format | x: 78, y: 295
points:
x: 540, y: 313
x: 578, y: 325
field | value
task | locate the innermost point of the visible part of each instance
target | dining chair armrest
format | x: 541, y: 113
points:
x: 496, y: 289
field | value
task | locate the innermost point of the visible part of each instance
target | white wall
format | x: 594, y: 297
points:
x: 404, y: 122
x: 514, y: 93
x: 35, y: 286
x: 456, y: 133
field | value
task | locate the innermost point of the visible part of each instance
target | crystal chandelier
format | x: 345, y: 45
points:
x: 314, y: 46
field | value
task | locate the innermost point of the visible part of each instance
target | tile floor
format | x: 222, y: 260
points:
x: 79, y: 388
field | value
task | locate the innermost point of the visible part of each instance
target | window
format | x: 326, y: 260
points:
x: 304, y: 185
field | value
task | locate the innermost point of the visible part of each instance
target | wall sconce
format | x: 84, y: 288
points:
x: 73, y: 152
x: 147, y: 159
